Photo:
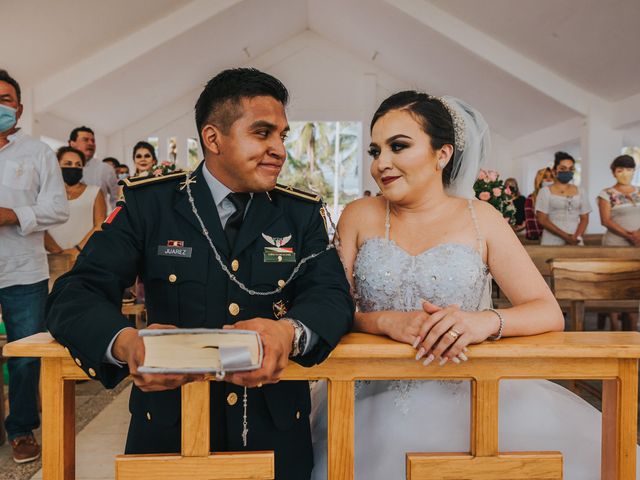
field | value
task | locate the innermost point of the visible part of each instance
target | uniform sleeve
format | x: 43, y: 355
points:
x: 51, y: 207
x: 322, y: 302
x: 83, y: 310
x: 542, y: 202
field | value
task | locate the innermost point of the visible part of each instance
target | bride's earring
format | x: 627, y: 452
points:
x: 441, y: 164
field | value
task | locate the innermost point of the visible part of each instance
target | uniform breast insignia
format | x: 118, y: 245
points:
x: 278, y: 253
x: 297, y: 193
x: 174, y: 248
x: 280, y: 309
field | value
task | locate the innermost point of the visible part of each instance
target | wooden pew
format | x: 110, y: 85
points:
x: 590, y: 240
x: 541, y: 254
x: 578, y: 280
x: 610, y: 356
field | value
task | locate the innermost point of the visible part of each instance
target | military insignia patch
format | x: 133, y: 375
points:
x: 113, y: 215
x: 280, y: 309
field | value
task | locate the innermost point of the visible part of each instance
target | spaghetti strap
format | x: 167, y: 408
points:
x: 387, y: 223
x: 479, y: 236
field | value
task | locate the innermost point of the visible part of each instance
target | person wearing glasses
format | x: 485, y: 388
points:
x: 562, y: 209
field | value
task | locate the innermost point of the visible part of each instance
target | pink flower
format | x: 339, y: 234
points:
x: 157, y: 173
x: 484, y: 196
x: 493, y: 175
x: 482, y: 175
x: 497, y: 192
x: 165, y: 163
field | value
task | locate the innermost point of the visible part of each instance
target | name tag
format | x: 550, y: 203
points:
x: 183, y: 252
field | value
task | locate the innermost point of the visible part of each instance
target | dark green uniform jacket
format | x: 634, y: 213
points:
x: 83, y: 311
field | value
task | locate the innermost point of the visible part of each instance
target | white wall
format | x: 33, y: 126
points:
x: 48, y: 125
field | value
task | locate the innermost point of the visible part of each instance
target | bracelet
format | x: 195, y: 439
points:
x: 78, y: 248
x: 493, y: 338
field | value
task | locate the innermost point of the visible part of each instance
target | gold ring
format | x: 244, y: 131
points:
x: 454, y: 334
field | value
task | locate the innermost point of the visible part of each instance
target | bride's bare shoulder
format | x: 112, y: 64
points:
x: 363, y: 211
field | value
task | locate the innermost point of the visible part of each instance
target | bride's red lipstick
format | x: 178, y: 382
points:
x: 388, y: 180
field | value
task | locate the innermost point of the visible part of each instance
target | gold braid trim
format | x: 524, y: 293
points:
x: 134, y: 182
x: 296, y: 192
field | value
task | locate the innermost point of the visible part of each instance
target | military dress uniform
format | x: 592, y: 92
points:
x: 186, y: 287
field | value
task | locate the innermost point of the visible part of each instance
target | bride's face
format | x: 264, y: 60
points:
x: 404, y: 163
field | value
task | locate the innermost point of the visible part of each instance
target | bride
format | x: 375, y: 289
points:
x: 419, y: 259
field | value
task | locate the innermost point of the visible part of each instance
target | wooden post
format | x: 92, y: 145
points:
x: 58, y: 422
x: 195, y: 419
x: 340, y: 441
x: 619, y: 423
x: 577, y: 315
x: 484, y: 417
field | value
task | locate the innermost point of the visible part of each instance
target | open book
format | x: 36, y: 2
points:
x: 200, y: 350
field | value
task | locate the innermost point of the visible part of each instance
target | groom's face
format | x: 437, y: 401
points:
x: 404, y: 163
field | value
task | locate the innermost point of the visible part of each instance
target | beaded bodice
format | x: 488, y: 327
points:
x: 387, y: 277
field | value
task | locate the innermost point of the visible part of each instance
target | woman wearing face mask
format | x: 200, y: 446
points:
x: 544, y: 178
x: 86, y: 204
x: 562, y: 209
x: 144, y: 158
x: 620, y: 206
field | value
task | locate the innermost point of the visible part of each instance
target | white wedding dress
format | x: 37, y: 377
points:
x: 396, y: 417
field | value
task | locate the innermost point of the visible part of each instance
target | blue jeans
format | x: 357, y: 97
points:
x: 23, y: 315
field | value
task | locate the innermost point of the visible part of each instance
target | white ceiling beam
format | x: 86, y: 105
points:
x: 92, y: 68
x: 497, y: 53
x: 547, y: 138
x: 626, y: 112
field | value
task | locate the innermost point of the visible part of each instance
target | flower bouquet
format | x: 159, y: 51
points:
x: 163, y: 168
x: 489, y: 188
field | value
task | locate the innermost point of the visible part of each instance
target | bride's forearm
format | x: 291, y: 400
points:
x: 369, y: 322
x: 532, y: 318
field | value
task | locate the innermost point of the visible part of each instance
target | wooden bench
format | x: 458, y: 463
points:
x: 59, y: 264
x: 578, y: 280
x: 542, y: 254
x: 590, y: 239
x: 610, y: 356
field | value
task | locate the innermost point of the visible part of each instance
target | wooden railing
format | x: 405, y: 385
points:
x: 610, y: 356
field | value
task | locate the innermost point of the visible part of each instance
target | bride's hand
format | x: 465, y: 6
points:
x: 448, y: 331
x: 403, y: 326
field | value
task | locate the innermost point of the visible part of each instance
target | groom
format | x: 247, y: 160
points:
x: 261, y: 232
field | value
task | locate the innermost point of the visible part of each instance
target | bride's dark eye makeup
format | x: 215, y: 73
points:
x: 398, y: 146
x: 373, y: 152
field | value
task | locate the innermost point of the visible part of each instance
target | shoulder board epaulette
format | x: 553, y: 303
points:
x: 134, y: 182
x: 296, y: 192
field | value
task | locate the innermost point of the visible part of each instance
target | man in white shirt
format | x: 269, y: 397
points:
x: 95, y: 172
x: 32, y: 199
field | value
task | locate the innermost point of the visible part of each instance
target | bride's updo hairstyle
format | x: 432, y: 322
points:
x: 431, y: 114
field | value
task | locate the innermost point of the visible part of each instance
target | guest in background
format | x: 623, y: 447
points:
x: 94, y: 172
x: 562, y: 209
x: 518, y: 203
x: 544, y: 178
x: 366, y: 193
x: 86, y: 204
x: 122, y: 171
x: 620, y: 206
x: 31, y: 200
x: 111, y: 161
x: 144, y: 158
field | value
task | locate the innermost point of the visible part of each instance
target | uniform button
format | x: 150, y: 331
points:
x: 298, y: 415
x: 235, y: 265
x: 232, y: 399
x: 92, y: 372
x: 149, y: 416
x: 78, y: 362
x: 66, y: 349
x: 234, y: 309
x: 281, y: 283
x: 279, y: 258
x: 173, y: 278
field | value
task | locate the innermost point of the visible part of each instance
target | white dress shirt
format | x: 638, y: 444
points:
x: 102, y: 175
x: 31, y: 185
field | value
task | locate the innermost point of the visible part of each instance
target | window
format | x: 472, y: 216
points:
x: 194, y: 157
x: 324, y: 157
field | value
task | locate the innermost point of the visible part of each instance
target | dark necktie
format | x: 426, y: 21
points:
x: 232, y: 227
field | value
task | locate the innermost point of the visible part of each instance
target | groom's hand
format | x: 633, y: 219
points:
x: 276, y: 338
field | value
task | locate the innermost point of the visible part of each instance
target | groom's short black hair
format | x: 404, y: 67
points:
x: 219, y: 102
